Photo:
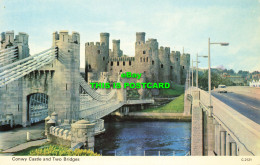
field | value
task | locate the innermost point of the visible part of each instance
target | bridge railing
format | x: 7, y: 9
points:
x: 243, y: 130
x: 95, y: 95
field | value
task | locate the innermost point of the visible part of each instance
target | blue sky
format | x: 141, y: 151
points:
x: 174, y: 23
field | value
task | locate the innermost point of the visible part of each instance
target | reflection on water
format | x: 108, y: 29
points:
x: 144, y: 138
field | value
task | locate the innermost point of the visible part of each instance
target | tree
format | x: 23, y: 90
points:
x: 216, y: 80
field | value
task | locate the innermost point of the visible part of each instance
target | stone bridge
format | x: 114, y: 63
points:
x: 34, y: 86
x: 219, y: 129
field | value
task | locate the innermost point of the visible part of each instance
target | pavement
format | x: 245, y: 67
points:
x: 17, y: 136
x: 244, y: 103
x: 23, y: 146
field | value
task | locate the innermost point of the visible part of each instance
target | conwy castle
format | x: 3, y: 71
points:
x: 157, y: 64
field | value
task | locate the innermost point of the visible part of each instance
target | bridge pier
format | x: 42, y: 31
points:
x: 217, y: 138
x: 210, y: 135
x: 233, y: 149
x: 223, y: 143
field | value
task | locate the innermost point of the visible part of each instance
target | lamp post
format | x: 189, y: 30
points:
x: 209, y: 71
x: 197, y: 75
x: 192, y: 74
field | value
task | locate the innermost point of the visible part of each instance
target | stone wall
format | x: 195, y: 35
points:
x: 72, y: 133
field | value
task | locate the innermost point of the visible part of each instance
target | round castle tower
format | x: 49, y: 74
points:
x: 164, y: 57
x: 116, y: 49
x: 175, y: 71
x: 96, y: 57
x: 146, y: 57
x: 185, y: 65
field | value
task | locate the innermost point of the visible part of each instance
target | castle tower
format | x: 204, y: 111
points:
x: 140, y: 37
x: 175, y: 66
x: 66, y: 101
x: 164, y: 71
x: 104, y: 38
x: 185, y: 65
x: 116, y: 49
x: 146, y: 57
x: 96, y: 57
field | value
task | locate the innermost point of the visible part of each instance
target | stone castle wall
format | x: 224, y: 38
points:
x: 158, y: 64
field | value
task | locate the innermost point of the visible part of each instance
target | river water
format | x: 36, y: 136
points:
x: 149, y: 138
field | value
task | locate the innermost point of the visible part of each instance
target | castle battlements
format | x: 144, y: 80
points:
x: 8, y: 39
x: 121, y: 58
x: 94, y: 44
x: 64, y: 36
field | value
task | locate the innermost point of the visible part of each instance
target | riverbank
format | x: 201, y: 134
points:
x: 157, y: 116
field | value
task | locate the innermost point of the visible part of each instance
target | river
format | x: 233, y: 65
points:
x: 149, y: 138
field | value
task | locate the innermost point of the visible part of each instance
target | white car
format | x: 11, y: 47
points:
x: 222, y: 89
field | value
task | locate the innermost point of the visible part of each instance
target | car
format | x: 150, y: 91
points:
x: 222, y: 89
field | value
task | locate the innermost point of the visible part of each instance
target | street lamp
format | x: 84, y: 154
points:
x: 209, y: 77
x: 197, y: 75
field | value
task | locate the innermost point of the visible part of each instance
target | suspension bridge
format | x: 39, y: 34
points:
x: 34, y: 86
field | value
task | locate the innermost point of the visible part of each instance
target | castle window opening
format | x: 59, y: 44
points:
x: 123, y: 63
x: 129, y: 63
x: 171, y: 67
x: 161, y: 65
x: 153, y: 62
x: 98, y: 51
x: 103, y: 58
x: 111, y: 63
x: 140, y: 59
x: 89, y: 66
x: 117, y: 63
x: 144, y: 52
x: 144, y: 59
x: 182, y: 67
x: 66, y: 86
x: 121, y: 70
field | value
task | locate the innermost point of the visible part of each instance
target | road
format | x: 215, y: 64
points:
x: 247, y: 106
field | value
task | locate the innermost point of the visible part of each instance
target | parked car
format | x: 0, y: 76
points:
x: 222, y: 89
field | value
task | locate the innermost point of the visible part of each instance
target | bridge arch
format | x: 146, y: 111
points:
x: 37, y: 107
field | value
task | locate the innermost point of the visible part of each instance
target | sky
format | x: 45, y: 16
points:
x: 174, y: 23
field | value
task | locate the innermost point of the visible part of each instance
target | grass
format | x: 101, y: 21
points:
x: 175, y: 90
x: 26, y: 152
x: 175, y: 106
x: 48, y: 149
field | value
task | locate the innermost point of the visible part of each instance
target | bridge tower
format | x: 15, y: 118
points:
x: 11, y: 102
x: 65, y: 100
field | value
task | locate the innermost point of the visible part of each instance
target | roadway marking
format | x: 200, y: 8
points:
x: 240, y: 102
